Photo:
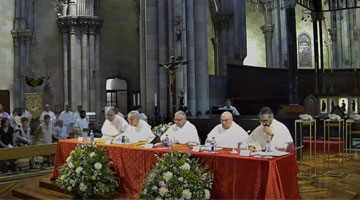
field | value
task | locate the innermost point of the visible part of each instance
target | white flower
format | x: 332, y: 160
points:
x: 93, y: 178
x: 145, y: 191
x: 68, y: 159
x: 158, y: 198
x: 71, y: 165
x: 162, y: 184
x: 92, y: 154
x: 207, y: 194
x: 82, y: 187
x: 163, y: 191
x: 69, y: 188
x: 180, y: 179
x: 79, y: 170
x: 186, y: 194
x: 185, y: 166
x: 62, y: 177
x: 154, y: 188
x: 98, y: 165
x: 167, y: 176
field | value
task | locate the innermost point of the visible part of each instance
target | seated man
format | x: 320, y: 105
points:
x: 228, y: 106
x: 270, y: 130
x: 182, y: 131
x: 114, y: 125
x: 228, y: 133
x: 138, y: 131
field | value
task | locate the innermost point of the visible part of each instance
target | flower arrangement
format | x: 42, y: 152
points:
x: 87, y: 173
x: 176, y: 176
x: 161, y: 128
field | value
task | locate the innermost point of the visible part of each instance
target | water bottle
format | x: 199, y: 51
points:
x: 166, y: 141
x: 92, y: 136
x: 267, y: 146
x: 123, y: 139
x: 213, y: 145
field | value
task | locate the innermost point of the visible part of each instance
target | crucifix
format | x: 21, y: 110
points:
x: 172, y: 66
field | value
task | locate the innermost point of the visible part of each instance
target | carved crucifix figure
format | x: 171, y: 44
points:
x: 172, y: 67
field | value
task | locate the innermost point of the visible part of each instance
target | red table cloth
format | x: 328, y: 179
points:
x: 235, y: 177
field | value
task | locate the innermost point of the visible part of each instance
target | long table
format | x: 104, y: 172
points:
x: 235, y: 177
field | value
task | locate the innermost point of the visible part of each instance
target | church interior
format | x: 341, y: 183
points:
x: 299, y: 58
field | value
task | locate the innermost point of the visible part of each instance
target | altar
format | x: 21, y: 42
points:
x: 235, y: 176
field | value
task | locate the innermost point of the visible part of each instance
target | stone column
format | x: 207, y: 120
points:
x: 201, y: 58
x: 85, y: 68
x: 66, y: 65
x: 339, y: 41
x: 75, y: 63
x: 268, y: 30
x: 143, y: 53
x: 332, y: 33
x: 17, y: 68
x: 240, y: 48
x: 152, y: 62
x: 92, y: 74
x: 163, y: 57
x: 190, y: 57
x: 292, y: 49
x: 177, y: 23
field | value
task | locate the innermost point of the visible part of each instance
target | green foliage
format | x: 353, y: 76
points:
x: 176, y: 176
x: 87, y: 173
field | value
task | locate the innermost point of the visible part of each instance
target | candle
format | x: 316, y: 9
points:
x: 185, y: 99
x: 138, y: 98
x: 134, y: 100
x: 155, y: 99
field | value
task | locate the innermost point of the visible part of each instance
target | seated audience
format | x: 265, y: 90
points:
x: 7, y: 140
x: 114, y: 125
x: 23, y: 134
x: 3, y: 113
x: 229, y: 106
x: 182, y: 132
x: 228, y: 133
x: 61, y: 130
x: 138, y: 131
x: 270, y: 130
x: 45, y: 132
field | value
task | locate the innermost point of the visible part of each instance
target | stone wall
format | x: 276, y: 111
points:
x: 7, y: 12
x: 119, y: 48
x: 49, y: 44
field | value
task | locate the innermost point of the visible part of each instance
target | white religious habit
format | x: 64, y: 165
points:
x: 114, y: 128
x: 230, y: 138
x: 139, y: 133
x: 77, y: 116
x: 182, y: 135
x: 67, y: 118
x: 80, y: 125
x: 234, y: 110
x: 281, y: 137
x: 51, y: 114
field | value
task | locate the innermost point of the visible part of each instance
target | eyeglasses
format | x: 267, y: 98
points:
x: 224, y: 120
x: 178, y: 120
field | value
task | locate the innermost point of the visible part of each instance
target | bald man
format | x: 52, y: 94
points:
x: 114, y: 125
x: 139, y: 130
x: 228, y: 133
x: 48, y: 112
x: 182, y: 132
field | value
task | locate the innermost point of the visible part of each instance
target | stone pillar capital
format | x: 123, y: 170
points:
x: 88, y: 24
x: 267, y: 31
x: 21, y: 35
x: 268, y: 5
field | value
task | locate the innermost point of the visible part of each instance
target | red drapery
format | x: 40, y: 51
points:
x: 235, y: 177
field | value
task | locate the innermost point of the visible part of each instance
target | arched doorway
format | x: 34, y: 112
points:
x: 116, y: 94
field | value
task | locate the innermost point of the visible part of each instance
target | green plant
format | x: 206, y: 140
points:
x: 176, y: 176
x: 161, y: 128
x: 87, y: 172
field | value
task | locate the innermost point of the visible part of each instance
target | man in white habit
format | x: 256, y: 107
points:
x: 182, y: 132
x: 228, y: 133
x: 48, y: 112
x: 139, y: 130
x: 113, y: 126
x: 66, y: 117
x: 270, y: 130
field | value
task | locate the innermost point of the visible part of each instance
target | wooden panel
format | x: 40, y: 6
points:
x: 5, y: 100
x: 25, y: 152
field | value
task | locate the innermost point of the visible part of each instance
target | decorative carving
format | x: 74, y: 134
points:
x: 356, y: 33
x: 89, y: 24
x: 304, y: 50
x: 332, y: 33
x: 33, y: 104
x: 268, y: 31
x: 21, y: 35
